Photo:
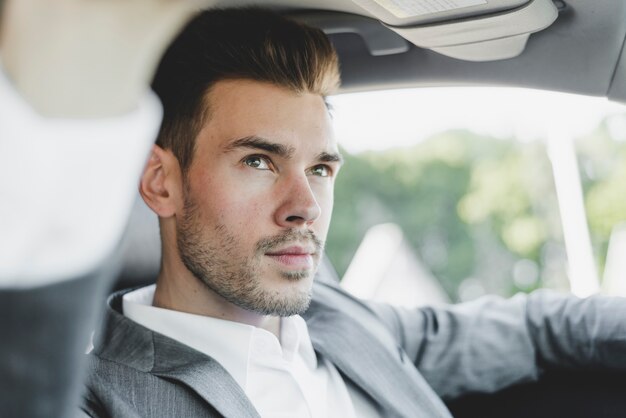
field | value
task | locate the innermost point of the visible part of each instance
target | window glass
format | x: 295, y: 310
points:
x: 475, y: 190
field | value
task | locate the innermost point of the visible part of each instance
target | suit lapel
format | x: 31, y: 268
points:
x: 367, y: 358
x: 126, y: 342
x: 202, y: 374
x: 378, y: 367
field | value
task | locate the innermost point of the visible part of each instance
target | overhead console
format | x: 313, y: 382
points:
x: 582, y: 51
x: 473, y: 30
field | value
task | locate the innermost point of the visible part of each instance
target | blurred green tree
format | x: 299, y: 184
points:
x: 469, y: 205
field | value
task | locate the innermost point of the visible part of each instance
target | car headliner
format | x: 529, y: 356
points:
x: 582, y: 52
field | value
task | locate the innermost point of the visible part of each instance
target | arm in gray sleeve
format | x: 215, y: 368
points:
x: 492, y: 343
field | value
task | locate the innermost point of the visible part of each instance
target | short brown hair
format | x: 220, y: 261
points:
x: 248, y: 43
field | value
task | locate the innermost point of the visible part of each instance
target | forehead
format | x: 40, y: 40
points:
x: 244, y: 108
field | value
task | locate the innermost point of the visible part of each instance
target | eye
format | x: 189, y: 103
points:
x: 257, y: 161
x: 321, y: 170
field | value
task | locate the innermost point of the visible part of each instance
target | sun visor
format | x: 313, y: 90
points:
x: 472, y: 30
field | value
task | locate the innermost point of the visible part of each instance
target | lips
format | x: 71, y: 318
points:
x: 293, y: 257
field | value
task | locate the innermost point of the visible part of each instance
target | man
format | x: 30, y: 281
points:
x: 242, y: 181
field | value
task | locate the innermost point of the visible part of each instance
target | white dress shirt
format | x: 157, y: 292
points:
x: 66, y: 186
x: 282, y: 378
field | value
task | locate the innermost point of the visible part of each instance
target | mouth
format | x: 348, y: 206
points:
x: 294, y: 257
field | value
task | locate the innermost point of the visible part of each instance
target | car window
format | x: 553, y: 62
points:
x: 476, y: 191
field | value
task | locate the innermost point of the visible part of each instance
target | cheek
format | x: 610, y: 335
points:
x: 325, y: 199
x: 324, y: 193
x: 231, y: 201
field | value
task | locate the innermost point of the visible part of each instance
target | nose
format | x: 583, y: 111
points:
x: 298, y: 204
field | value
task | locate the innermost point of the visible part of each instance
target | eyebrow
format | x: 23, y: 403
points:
x: 328, y: 157
x: 256, y: 142
x: 259, y: 143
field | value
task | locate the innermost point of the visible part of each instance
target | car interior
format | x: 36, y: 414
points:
x: 573, y: 46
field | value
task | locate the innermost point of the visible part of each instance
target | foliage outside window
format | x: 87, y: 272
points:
x: 479, y: 209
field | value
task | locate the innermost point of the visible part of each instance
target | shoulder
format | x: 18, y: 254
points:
x: 114, y: 389
x: 110, y: 389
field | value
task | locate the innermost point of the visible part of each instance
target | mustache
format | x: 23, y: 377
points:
x: 290, y: 236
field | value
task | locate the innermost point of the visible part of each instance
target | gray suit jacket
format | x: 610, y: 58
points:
x: 477, y: 347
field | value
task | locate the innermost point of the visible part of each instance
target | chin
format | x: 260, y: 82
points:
x: 290, y: 280
x: 297, y: 276
x: 287, y: 298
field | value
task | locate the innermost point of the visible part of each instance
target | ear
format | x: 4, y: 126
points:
x: 161, y: 182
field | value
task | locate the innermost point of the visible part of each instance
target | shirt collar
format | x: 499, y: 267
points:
x: 234, y: 345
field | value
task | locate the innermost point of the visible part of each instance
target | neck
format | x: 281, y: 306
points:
x: 179, y: 290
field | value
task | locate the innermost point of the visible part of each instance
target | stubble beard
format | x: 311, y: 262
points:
x: 235, y: 277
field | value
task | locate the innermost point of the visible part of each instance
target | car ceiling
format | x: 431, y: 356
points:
x: 581, y: 52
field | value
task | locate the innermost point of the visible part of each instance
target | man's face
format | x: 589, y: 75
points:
x: 259, y: 195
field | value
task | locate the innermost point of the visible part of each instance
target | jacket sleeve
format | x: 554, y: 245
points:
x: 492, y: 343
